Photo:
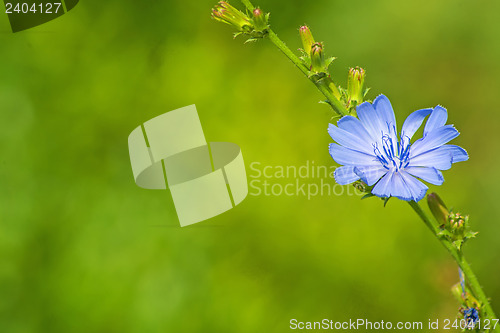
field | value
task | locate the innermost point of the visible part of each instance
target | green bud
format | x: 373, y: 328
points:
x: 307, y: 38
x: 360, y: 186
x: 224, y: 12
x: 355, y: 85
x: 259, y: 19
x: 438, y: 208
x: 454, y: 226
x: 457, y: 221
x: 317, y: 58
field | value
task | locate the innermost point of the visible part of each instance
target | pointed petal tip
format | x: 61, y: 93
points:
x: 439, y: 106
x: 380, y: 97
x: 459, y: 155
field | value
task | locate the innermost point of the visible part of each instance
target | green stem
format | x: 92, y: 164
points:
x: 459, y: 258
x: 333, y: 101
x: 289, y: 54
x: 248, y: 4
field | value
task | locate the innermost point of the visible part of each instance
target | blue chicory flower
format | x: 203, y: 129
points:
x: 370, y: 149
x: 471, y: 317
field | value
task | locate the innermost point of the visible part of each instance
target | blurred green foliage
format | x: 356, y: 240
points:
x: 83, y: 249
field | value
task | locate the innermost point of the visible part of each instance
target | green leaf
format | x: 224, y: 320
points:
x: 329, y: 61
x: 366, y: 196
x: 470, y: 234
x: 366, y: 92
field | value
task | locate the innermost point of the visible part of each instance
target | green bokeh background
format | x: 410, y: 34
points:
x: 83, y: 249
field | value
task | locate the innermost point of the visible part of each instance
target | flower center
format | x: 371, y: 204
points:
x: 393, y: 153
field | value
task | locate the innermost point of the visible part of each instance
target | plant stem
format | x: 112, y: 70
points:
x: 248, y: 4
x: 459, y: 258
x: 336, y: 105
x: 333, y: 101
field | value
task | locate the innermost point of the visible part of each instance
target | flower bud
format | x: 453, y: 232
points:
x: 438, y: 208
x: 355, y: 85
x: 259, y: 19
x: 317, y: 58
x: 456, y: 221
x: 307, y: 38
x: 360, y: 186
x: 226, y: 13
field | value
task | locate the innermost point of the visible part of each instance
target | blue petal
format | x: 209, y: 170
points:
x: 346, y: 156
x: 437, y: 119
x: 345, y: 175
x: 349, y: 140
x: 383, y: 187
x: 370, y: 174
x: 392, y: 185
x: 371, y: 121
x: 413, y: 122
x: 440, y: 158
x: 458, y: 153
x: 353, y: 125
x: 385, y: 111
x: 400, y: 185
x: 399, y: 188
x: 434, y: 139
x: 416, y: 187
x: 430, y: 175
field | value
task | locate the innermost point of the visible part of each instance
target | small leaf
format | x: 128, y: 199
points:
x: 470, y: 234
x: 329, y: 61
x: 250, y: 40
x: 366, y: 196
x: 366, y: 92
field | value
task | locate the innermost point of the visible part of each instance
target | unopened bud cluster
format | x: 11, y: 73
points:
x: 313, y: 57
x: 453, y: 226
x: 457, y: 221
x: 254, y: 26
